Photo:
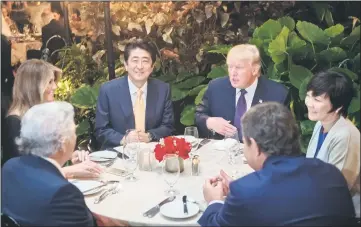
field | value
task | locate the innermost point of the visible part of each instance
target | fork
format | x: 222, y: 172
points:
x: 112, y: 190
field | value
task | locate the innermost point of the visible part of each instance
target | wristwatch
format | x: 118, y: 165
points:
x: 151, y: 136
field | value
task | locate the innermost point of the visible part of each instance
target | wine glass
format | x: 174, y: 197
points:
x: 130, y: 150
x: 192, y: 132
x: 131, y: 147
x: 234, y: 152
x: 171, y: 171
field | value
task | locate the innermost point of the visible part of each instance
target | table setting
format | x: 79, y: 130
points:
x: 140, y: 188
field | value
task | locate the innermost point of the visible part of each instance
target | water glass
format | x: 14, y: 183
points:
x: 131, y: 162
x: 171, y: 171
x: 192, y: 131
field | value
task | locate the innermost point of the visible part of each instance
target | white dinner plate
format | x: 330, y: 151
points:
x: 189, y: 139
x: 175, y: 209
x: 102, y: 155
x: 85, y: 185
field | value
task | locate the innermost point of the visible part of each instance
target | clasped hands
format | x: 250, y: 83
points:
x: 137, y: 136
x: 217, y: 187
x: 220, y: 126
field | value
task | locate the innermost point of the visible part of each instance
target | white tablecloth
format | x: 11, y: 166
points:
x: 137, y: 197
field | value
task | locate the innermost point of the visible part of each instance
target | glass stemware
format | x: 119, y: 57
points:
x: 171, y: 171
x: 131, y: 147
x: 193, y: 132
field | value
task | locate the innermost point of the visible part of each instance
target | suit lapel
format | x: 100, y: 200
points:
x: 125, y: 102
x: 152, y: 102
x: 257, y: 98
x: 231, y: 100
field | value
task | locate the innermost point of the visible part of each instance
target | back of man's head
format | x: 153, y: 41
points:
x: 274, y: 129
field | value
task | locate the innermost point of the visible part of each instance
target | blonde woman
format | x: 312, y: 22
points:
x: 35, y: 83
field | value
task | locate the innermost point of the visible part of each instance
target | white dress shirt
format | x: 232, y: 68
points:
x: 249, y: 95
x: 133, y: 92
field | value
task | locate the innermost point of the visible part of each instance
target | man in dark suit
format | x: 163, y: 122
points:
x: 55, y: 27
x: 286, y: 188
x: 34, y: 189
x: 228, y: 98
x: 134, y: 101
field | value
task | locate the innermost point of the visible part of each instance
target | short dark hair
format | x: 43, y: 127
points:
x: 77, y: 12
x: 337, y: 86
x: 141, y: 44
x: 274, y: 129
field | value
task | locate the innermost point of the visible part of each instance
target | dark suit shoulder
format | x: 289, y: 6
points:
x: 221, y: 81
x: 273, y: 84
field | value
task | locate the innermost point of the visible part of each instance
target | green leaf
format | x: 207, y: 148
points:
x: 320, y: 9
x: 178, y: 94
x: 167, y: 78
x: 85, y: 97
x: 199, y: 97
x: 82, y: 128
x: 312, y: 33
x: 298, y: 74
x: 295, y: 43
x: 255, y: 33
x: 347, y: 72
x: 219, y: 49
x: 257, y: 42
x: 333, y: 54
x: 356, y: 63
x: 334, y: 30
x: 288, y: 22
x: 190, y: 83
x: 307, y: 127
x: 187, y: 115
x: 352, y: 38
x: 182, y: 76
x: 269, y: 30
x: 218, y: 71
x: 354, y: 105
x: 303, y: 88
x: 328, y: 18
x: 277, y: 48
x: 196, y: 90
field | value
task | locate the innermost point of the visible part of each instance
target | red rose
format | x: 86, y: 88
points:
x: 172, y: 145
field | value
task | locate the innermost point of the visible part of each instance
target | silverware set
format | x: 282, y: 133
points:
x: 114, y: 189
x: 154, y: 210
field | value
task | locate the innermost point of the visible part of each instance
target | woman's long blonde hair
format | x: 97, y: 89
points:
x: 31, y: 81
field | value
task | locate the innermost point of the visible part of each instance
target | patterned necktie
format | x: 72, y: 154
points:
x: 139, y: 112
x: 241, y: 108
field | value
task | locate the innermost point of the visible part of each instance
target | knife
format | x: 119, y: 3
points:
x: 154, y: 210
x: 185, y: 208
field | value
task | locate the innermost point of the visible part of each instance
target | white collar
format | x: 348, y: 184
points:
x: 251, y: 89
x: 55, y: 163
x: 133, y: 89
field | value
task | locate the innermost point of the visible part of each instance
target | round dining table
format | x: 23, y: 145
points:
x: 134, y: 198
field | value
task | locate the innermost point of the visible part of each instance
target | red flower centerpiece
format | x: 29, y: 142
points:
x: 173, y: 145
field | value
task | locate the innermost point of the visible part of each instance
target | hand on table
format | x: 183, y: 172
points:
x: 85, y: 169
x: 220, y: 126
x: 79, y: 156
x: 143, y: 137
x: 132, y: 136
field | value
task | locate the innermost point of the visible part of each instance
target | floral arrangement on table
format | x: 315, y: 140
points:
x: 172, y: 145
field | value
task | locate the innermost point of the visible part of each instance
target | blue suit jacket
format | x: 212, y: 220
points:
x: 35, y: 193
x: 219, y: 100
x: 114, y: 114
x: 287, y: 191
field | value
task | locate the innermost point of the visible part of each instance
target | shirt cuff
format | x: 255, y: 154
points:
x: 215, y: 201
